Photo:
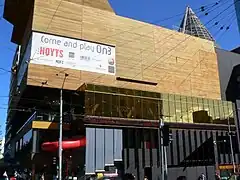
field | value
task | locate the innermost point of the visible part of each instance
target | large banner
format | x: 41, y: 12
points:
x: 70, y: 53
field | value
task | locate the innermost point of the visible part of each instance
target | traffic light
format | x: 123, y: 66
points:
x: 54, y: 166
x: 167, y: 135
x: 54, y: 160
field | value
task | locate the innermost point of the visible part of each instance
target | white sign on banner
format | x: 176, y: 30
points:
x: 70, y: 53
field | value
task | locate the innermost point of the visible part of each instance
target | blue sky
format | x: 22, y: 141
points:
x: 143, y: 10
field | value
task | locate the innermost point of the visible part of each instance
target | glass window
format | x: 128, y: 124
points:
x: 165, y: 110
x: 138, y: 93
x: 123, y: 107
x: 216, y: 112
x: 221, y: 111
x: 172, y: 111
x: 27, y: 137
x: 200, y: 104
x: 130, y: 91
x: 107, y: 105
x: 89, y: 103
x: 164, y: 96
x: 184, y: 112
x: 152, y: 109
x: 97, y: 109
x: 90, y: 87
x: 145, y: 108
x: 114, y: 90
x: 123, y: 91
x: 205, y: 102
x: 190, y: 109
x: 194, y: 100
x: 99, y: 88
x: 138, y: 108
x: 177, y: 98
x: 211, y: 110
x: 130, y: 101
x: 178, y: 111
x: 231, y: 113
x: 183, y: 99
x: 157, y: 111
x: 171, y: 97
x: 115, y: 105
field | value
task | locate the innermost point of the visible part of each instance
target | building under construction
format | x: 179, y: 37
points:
x: 119, y: 78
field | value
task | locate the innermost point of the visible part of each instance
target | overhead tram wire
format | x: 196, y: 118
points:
x: 218, y: 22
x: 222, y: 12
x: 226, y: 29
x: 223, y: 25
x: 218, y: 4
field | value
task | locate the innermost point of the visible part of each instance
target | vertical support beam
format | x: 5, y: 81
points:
x: 215, y: 145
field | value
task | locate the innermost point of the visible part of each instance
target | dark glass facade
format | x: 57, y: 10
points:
x: 135, y: 104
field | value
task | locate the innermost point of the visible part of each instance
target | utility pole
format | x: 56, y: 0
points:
x: 61, y: 130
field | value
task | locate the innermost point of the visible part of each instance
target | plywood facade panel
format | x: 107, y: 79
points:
x: 179, y: 63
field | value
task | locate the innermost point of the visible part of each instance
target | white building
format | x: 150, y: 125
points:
x: 2, y: 142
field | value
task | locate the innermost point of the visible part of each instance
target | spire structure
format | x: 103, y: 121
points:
x: 192, y: 25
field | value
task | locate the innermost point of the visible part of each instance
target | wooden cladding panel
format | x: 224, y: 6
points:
x: 179, y: 63
x: 100, y: 4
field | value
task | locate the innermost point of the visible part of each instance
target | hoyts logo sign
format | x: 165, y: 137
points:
x: 51, y: 52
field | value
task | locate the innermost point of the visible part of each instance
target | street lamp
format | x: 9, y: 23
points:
x: 61, y: 129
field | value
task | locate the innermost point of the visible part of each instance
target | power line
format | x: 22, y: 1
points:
x: 219, y: 2
x: 217, y: 23
x: 54, y: 14
x: 222, y: 12
x: 226, y: 29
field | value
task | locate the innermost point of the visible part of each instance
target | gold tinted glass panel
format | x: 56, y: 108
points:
x: 107, y: 105
x: 98, y: 105
x: 115, y: 106
x: 89, y: 103
x: 138, y: 108
x: 165, y: 110
x: 123, y: 107
x: 130, y: 108
x: 172, y: 111
x: 129, y: 103
x: 178, y: 111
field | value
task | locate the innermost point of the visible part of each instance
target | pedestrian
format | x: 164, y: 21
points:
x: 217, y: 176
x: 202, y: 177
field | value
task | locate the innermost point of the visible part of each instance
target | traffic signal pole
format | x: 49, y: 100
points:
x: 161, y: 148
x: 165, y: 140
x: 165, y: 162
